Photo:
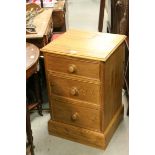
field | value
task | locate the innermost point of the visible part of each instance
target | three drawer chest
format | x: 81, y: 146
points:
x: 84, y: 72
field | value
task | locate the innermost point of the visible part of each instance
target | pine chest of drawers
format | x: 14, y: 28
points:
x: 84, y: 72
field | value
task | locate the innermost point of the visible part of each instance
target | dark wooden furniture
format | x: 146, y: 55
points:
x: 43, y: 23
x: 120, y: 16
x: 101, y: 15
x: 47, y: 20
x: 84, y: 77
x: 59, y: 16
x: 29, y: 144
x: 119, y: 10
x: 120, y: 24
x: 32, y: 56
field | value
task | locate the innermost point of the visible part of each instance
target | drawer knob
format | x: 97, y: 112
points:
x: 75, y: 116
x: 72, y: 68
x: 74, y: 91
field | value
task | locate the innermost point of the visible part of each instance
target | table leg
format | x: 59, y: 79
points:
x: 29, y: 132
x: 38, y: 93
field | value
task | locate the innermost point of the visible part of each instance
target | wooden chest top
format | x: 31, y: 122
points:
x: 83, y: 44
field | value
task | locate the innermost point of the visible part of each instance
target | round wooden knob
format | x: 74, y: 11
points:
x: 74, y: 91
x: 72, y: 68
x: 75, y: 116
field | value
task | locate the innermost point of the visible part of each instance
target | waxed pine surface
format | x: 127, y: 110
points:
x: 85, y: 44
x: 85, y: 17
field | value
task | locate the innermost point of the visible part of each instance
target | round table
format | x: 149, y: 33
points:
x: 32, y: 58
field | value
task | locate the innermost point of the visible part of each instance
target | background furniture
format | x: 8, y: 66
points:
x: 120, y: 17
x: 32, y: 56
x: 42, y: 3
x: 84, y: 77
x: 29, y: 145
x: 43, y: 23
x: 59, y: 16
x: 51, y: 20
x: 118, y: 22
x: 101, y: 15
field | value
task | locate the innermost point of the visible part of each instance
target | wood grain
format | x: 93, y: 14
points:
x: 84, y: 136
x: 83, y: 44
x: 72, y: 88
x: 77, y: 134
x: 113, y: 84
x: 83, y: 67
x: 32, y: 56
x: 41, y: 21
x: 85, y: 91
x: 76, y: 102
x: 86, y: 117
x: 101, y: 15
x: 117, y: 118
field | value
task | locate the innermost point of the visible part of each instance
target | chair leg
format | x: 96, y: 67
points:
x: 38, y: 93
x: 29, y: 132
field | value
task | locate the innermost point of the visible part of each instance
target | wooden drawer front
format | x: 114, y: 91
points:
x: 75, y: 115
x: 71, y: 88
x: 73, y: 66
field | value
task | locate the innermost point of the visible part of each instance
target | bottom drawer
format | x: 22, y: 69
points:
x: 75, y: 115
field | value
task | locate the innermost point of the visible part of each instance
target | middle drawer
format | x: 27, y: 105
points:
x: 75, y: 88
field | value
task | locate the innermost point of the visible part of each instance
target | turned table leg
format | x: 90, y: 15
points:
x: 38, y: 93
x: 29, y: 132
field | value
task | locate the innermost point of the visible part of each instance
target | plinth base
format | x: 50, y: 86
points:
x: 85, y: 136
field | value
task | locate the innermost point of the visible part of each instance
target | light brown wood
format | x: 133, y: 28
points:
x: 72, y: 88
x: 84, y: 87
x: 117, y: 118
x: 80, y: 67
x: 113, y: 84
x: 84, y: 136
x: 41, y: 21
x: 77, y: 134
x: 76, y: 102
x: 76, y: 115
x: 94, y: 45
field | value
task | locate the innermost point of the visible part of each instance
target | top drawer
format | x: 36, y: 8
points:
x: 72, y: 65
